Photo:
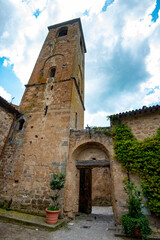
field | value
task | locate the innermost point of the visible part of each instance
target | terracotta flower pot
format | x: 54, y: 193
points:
x: 52, y: 216
x: 137, y: 231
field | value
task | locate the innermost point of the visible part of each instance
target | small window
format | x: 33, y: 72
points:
x: 21, y: 123
x: 63, y: 32
x: 46, y: 109
x: 78, y: 83
x: 76, y: 120
x: 52, y: 73
x: 81, y: 44
x: 42, y: 71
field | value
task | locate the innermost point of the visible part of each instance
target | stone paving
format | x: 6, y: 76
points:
x: 97, y: 226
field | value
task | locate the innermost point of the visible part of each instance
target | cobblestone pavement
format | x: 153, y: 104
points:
x: 97, y: 226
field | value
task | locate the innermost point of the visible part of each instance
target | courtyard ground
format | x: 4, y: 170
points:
x: 97, y: 226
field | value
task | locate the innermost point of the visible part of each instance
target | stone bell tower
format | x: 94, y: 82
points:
x: 52, y: 104
x: 57, y: 81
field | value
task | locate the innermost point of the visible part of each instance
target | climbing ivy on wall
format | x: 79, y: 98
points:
x: 102, y: 130
x: 142, y: 158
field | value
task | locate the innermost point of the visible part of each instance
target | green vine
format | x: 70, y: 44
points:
x: 113, y: 118
x: 102, y: 130
x: 142, y: 158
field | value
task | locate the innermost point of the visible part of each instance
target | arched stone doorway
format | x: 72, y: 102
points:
x: 86, y: 162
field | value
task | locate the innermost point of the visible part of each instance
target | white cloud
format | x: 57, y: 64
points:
x: 154, y: 97
x: 97, y: 119
x: 25, y: 37
x: 4, y: 94
x: 6, y: 63
x: 5, y: 35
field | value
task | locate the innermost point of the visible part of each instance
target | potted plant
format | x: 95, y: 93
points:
x: 135, y: 223
x: 56, y: 184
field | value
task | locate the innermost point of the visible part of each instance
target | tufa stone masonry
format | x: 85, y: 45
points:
x: 45, y: 135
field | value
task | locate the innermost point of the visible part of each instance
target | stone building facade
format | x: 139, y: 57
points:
x: 52, y: 104
x: 46, y: 135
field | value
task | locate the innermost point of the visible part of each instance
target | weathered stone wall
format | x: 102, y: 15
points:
x: 6, y: 120
x: 77, y: 111
x: 143, y: 124
x: 101, y: 187
x: 41, y: 149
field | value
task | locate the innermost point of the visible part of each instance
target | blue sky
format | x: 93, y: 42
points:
x: 122, y: 70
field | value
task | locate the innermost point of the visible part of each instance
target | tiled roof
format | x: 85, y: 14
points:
x: 9, y: 107
x: 142, y: 110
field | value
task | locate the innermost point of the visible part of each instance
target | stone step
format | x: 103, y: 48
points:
x: 29, y: 220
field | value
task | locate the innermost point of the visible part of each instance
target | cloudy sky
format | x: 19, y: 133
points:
x: 122, y: 70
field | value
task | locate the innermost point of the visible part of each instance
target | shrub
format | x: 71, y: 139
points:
x: 135, y: 221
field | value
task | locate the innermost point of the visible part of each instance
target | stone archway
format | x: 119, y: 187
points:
x: 85, y: 157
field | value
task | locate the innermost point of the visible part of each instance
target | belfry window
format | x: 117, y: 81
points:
x: 62, y: 32
x: 52, y: 73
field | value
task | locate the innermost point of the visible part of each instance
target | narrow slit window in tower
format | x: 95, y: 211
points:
x: 46, y: 109
x: 21, y: 123
x: 81, y: 44
x: 76, y: 121
x: 52, y: 73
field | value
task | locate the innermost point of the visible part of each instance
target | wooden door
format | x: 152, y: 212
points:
x: 85, y: 190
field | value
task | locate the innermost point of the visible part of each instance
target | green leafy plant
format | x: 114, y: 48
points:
x: 56, y: 184
x: 134, y: 201
x: 135, y: 222
x: 2, y: 204
x: 113, y: 118
x: 102, y: 130
x: 141, y: 158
